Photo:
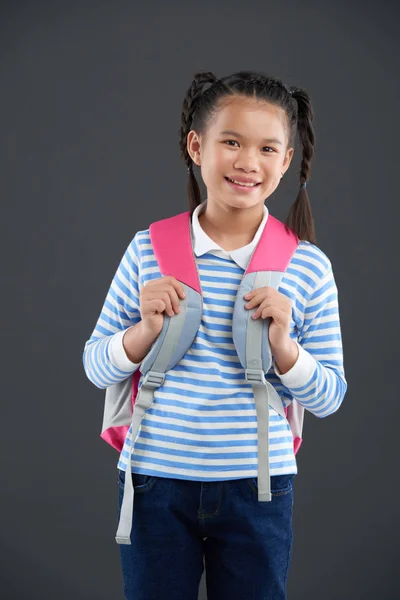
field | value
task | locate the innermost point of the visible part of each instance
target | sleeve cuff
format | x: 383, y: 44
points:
x: 301, y: 372
x: 118, y: 355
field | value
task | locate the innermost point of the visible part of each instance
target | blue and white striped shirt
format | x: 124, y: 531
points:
x: 202, y: 424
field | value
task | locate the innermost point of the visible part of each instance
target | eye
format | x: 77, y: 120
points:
x: 235, y: 142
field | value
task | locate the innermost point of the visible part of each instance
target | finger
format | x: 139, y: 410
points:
x: 259, y: 302
x: 151, y: 307
x: 173, y: 294
x: 266, y: 305
x: 170, y: 296
x: 257, y: 297
x: 168, y: 303
x: 266, y: 313
x: 165, y: 281
x: 264, y: 289
x: 178, y: 287
x: 165, y: 299
x: 275, y: 313
x: 253, y: 302
x: 256, y: 314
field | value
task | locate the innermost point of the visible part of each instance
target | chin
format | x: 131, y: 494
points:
x: 243, y: 202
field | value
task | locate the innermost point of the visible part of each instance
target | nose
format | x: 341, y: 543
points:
x: 247, y: 161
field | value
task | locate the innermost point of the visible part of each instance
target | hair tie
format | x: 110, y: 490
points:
x: 303, y: 184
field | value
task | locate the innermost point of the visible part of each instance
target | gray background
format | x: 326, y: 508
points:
x: 90, y: 99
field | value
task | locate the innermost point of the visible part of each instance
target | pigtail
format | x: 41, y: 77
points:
x: 300, y: 218
x: 189, y: 105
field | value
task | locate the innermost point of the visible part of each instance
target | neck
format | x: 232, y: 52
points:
x: 229, y: 227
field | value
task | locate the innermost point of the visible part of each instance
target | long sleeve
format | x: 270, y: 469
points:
x: 317, y: 380
x: 104, y: 358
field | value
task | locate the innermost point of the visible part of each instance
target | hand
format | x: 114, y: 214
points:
x: 156, y: 297
x: 272, y: 303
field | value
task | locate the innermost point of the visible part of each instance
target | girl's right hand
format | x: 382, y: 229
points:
x: 156, y: 297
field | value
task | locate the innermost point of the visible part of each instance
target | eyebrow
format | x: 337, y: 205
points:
x: 238, y: 135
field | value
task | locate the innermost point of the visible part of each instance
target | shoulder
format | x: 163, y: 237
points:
x: 139, y: 242
x: 309, y: 266
x: 135, y: 252
x: 313, y: 257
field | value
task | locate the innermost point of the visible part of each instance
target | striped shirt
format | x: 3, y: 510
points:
x: 202, y: 424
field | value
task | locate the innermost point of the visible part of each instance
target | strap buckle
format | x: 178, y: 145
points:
x: 152, y: 379
x: 255, y: 376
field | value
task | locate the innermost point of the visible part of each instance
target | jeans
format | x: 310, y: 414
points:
x: 246, y: 545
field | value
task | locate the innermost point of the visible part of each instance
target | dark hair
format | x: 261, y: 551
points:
x: 199, y: 107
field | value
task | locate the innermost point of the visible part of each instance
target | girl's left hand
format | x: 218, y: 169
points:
x: 272, y: 303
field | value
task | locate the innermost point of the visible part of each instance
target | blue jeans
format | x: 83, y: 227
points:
x: 246, y: 544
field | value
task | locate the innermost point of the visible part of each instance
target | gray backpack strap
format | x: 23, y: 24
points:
x: 175, y: 339
x: 252, y: 344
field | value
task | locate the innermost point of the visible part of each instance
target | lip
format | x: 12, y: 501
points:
x: 240, y: 188
x: 243, y: 179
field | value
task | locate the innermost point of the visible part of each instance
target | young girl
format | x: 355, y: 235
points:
x: 194, y: 462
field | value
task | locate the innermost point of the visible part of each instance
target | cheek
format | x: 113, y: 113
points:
x: 220, y: 162
x: 273, y: 174
x: 273, y: 167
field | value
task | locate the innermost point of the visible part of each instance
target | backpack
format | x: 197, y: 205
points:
x: 126, y: 403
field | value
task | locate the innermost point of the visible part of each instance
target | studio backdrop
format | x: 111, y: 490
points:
x: 91, y: 99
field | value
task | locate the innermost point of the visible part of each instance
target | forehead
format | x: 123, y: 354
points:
x: 250, y: 117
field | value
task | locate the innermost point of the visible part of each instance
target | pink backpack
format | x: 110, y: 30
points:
x: 126, y: 402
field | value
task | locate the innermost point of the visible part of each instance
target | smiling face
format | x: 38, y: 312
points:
x: 255, y: 149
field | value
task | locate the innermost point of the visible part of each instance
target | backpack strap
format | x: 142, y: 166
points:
x: 172, y: 245
x: 266, y: 268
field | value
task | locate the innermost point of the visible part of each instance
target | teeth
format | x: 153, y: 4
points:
x: 242, y: 183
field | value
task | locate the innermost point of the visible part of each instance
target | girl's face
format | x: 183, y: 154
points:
x: 254, y: 149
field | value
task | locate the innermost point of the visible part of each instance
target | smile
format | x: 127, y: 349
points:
x: 245, y: 187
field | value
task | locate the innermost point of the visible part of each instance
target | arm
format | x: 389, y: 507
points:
x: 317, y: 379
x: 104, y: 358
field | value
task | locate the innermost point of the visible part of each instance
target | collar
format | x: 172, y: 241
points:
x: 202, y: 243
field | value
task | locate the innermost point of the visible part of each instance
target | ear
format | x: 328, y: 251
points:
x: 288, y: 159
x: 193, y: 146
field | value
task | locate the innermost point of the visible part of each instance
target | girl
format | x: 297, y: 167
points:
x: 194, y: 463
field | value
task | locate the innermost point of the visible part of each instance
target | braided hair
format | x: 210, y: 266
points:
x: 200, y: 105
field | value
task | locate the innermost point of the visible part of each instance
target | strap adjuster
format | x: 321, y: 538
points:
x: 255, y: 376
x: 152, y: 379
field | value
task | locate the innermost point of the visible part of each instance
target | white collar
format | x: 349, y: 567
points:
x: 202, y: 243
